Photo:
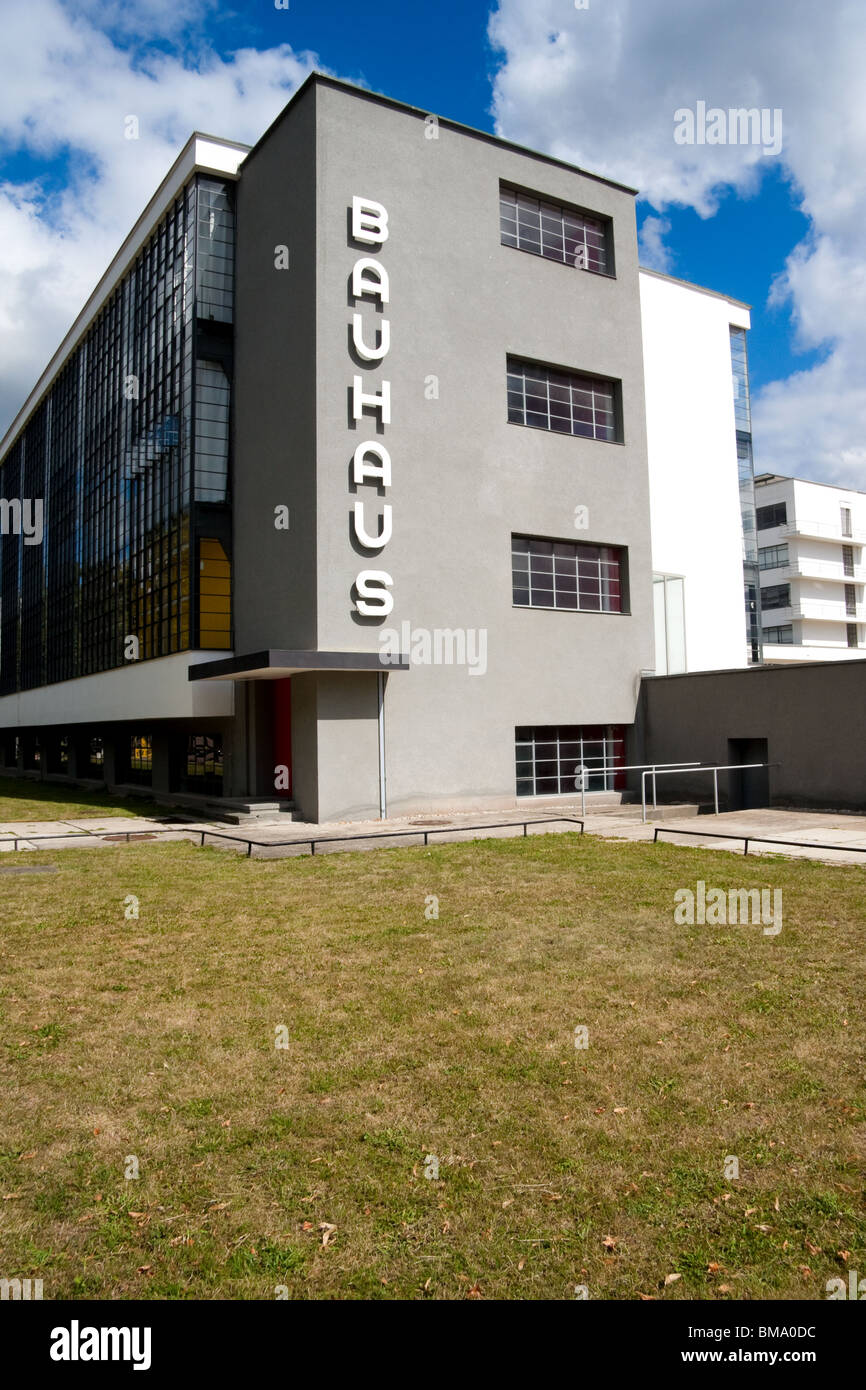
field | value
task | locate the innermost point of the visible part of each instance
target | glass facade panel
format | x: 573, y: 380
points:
x: 669, y: 612
x: 746, y: 478
x: 129, y: 454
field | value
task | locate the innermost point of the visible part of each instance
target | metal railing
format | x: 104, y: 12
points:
x: 582, y: 773
x: 755, y: 839
x: 300, y: 840
x: 715, y: 769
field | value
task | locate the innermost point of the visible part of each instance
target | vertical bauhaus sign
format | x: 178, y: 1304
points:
x: 371, y: 340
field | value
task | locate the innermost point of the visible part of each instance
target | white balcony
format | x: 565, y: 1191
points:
x: 813, y: 609
x: 805, y: 568
x: 822, y: 531
x: 778, y: 652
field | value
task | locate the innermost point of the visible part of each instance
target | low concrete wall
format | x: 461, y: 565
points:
x: 812, y: 716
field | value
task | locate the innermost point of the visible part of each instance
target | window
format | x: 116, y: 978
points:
x: 780, y: 636
x: 846, y: 521
x: 563, y: 574
x: 549, y: 758
x: 851, y: 630
x: 670, y: 624
x: 203, y: 766
x: 558, y: 233
x: 211, y: 431
x: 848, y: 560
x: 565, y: 402
x: 776, y: 596
x: 740, y: 376
x: 772, y: 557
x: 140, y: 759
x: 851, y: 600
x: 776, y: 514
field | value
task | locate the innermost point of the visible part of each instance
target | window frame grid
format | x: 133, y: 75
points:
x: 607, y: 586
x: 522, y: 373
x: 606, y: 766
x: 554, y: 231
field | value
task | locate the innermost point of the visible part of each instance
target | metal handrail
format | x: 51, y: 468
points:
x: 300, y: 840
x: 755, y: 839
x: 582, y: 772
x: 715, y: 769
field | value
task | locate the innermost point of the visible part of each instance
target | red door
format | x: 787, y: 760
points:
x: 283, y: 736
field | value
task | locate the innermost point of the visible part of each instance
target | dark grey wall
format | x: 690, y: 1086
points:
x: 274, y: 415
x: 812, y: 716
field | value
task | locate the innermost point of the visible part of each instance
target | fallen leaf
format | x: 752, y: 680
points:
x: 327, y: 1232
x: 813, y: 1249
x: 647, y: 1297
x: 844, y: 1255
x: 724, y: 1288
x: 475, y: 1292
x: 521, y: 1263
x: 609, y: 1243
x: 619, y: 1109
x: 672, y: 1279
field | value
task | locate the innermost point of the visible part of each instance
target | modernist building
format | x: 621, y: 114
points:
x: 810, y: 539
x: 345, y: 481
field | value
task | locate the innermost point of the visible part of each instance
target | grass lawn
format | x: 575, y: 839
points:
x: 21, y: 799
x: 154, y: 1038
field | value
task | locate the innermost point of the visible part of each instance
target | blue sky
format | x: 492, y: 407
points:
x: 597, y: 85
x: 439, y: 57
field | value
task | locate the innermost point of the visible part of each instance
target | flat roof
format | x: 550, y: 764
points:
x: 766, y: 478
x: 352, y: 89
x: 690, y: 285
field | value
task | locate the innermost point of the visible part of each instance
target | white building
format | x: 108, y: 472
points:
x: 700, y: 500
x: 810, y: 539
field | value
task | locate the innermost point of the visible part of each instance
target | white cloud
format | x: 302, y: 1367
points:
x: 65, y: 97
x: 600, y: 87
x: 651, y: 244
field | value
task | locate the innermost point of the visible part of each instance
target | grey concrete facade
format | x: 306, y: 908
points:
x: 410, y: 736
x: 463, y: 478
x: 808, y: 722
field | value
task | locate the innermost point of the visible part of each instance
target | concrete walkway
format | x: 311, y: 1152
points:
x: 820, y: 830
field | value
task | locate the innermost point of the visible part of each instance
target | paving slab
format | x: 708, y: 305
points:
x: 830, y: 837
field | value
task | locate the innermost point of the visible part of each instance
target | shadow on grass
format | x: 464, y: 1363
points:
x: 23, y: 799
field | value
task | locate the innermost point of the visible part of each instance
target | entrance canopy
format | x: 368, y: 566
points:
x: 276, y: 665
